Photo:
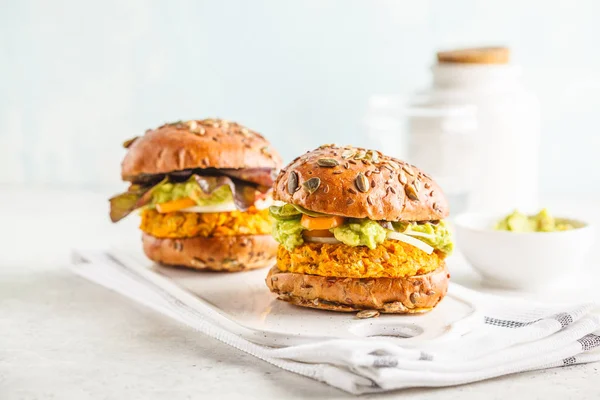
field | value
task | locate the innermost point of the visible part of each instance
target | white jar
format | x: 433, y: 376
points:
x: 441, y: 142
x: 504, y: 154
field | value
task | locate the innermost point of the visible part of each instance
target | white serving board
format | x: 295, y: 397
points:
x: 244, y: 298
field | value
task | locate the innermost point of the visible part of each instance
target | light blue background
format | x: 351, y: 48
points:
x: 78, y: 77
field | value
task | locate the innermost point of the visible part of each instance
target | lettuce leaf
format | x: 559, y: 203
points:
x: 135, y: 197
x: 139, y: 195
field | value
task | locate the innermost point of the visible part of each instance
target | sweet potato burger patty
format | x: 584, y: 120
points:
x: 391, y: 259
x: 185, y: 225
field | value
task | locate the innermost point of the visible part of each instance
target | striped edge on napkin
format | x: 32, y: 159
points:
x: 516, y: 336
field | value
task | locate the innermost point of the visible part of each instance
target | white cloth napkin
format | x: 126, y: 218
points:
x: 517, y: 336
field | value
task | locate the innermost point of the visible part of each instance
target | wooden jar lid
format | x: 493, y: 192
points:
x: 480, y: 55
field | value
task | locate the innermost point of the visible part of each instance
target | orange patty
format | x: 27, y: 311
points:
x: 390, y: 259
x: 184, y: 224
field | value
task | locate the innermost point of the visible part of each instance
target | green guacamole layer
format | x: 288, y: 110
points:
x: 359, y: 232
x: 173, y: 191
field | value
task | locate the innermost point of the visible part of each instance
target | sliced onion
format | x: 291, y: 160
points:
x: 327, y: 240
x: 264, y: 203
x: 410, y: 240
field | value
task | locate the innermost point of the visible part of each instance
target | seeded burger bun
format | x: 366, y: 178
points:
x: 389, y: 189
x: 221, y: 253
x: 360, y: 183
x: 413, y: 294
x: 196, y: 144
x: 218, y: 149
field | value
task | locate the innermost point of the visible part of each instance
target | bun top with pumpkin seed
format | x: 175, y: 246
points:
x: 208, y: 143
x: 360, y: 183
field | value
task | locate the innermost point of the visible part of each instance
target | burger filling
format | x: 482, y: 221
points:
x: 189, y: 205
x: 188, y: 197
x: 180, y: 224
x: 295, y: 226
x: 390, y: 259
x: 169, y: 192
x: 329, y: 245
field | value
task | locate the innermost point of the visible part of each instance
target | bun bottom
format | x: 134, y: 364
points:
x: 221, y: 253
x: 408, y: 295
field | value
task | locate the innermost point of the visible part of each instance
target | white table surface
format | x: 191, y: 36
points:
x: 62, y: 337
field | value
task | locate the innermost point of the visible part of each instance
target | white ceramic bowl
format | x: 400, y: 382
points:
x: 521, y: 260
